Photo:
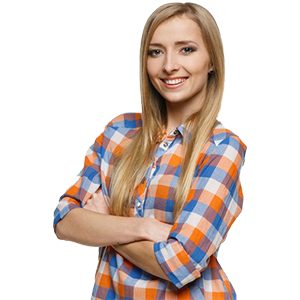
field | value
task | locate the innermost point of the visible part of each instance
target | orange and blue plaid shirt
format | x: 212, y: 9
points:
x: 189, y: 256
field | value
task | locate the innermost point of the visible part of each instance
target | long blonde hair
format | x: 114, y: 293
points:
x: 132, y: 163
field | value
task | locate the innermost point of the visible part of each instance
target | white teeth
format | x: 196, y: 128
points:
x: 175, y: 81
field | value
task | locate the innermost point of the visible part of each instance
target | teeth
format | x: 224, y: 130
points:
x: 175, y: 81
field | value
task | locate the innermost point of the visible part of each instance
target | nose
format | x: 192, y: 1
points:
x: 170, y: 63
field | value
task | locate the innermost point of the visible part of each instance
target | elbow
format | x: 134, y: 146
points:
x: 181, y: 282
x: 63, y: 225
x: 58, y: 231
x: 178, y: 265
x: 194, y: 271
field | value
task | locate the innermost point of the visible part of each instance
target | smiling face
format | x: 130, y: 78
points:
x: 178, y: 62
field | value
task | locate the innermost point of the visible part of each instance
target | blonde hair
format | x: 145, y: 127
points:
x: 131, y: 165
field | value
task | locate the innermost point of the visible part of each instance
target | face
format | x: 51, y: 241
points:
x: 178, y: 62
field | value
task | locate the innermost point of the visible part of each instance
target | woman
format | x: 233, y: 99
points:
x: 160, y: 189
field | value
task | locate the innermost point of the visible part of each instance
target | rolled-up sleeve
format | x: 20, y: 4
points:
x: 89, y: 181
x: 214, y: 202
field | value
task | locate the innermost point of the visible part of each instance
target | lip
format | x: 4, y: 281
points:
x: 173, y: 86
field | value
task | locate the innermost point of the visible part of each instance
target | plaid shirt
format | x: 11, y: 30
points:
x: 189, y: 256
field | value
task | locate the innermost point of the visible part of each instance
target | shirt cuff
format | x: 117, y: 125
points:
x: 64, y: 206
x: 176, y: 263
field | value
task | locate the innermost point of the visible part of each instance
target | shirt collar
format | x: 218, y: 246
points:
x: 184, y: 131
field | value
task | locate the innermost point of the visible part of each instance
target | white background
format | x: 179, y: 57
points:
x: 68, y: 67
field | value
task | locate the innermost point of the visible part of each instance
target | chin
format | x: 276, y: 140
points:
x: 175, y: 100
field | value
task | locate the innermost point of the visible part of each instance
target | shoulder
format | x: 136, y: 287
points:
x: 118, y: 129
x: 225, y: 139
x: 126, y: 120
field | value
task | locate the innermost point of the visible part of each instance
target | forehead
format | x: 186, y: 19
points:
x: 177, y: 28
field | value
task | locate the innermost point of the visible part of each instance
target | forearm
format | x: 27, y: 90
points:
x: 94, y: 229
x: 142, y: 255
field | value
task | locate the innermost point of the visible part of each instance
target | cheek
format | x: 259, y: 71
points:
x: 152, y: 72
x: 149, y: 68
x: 197, y: 65
x: 153, y: 67
x: 198, y: 68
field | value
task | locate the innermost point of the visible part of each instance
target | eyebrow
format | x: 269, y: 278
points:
x: 176, y: 43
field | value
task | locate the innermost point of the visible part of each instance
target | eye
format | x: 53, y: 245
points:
x: 188, y: 49
x: 154, y: 52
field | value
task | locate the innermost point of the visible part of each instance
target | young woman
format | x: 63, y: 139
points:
x: 160, y: 189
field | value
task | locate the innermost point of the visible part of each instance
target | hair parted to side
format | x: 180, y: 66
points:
x: 131, y: 165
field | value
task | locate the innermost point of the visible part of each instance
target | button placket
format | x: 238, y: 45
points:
x: 138, y: 207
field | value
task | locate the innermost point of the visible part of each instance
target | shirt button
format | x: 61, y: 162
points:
x: 165, y: 144
x: 138, y: 204
x: 175, y: 131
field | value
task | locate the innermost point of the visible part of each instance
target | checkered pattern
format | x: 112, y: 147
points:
x: 189, y: 256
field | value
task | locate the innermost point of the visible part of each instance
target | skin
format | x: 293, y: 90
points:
x: 152, y: 229
x: 183, y: 60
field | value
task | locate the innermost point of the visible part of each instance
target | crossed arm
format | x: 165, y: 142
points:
x: 142, y: 255
x: 131, y: 237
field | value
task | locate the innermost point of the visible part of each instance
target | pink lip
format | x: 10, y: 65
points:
x: 174, y: 86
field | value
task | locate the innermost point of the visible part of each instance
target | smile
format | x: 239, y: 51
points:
x: 174, y: 83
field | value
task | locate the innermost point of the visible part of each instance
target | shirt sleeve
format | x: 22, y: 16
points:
x: 213, y: 203
x: 89, y: 181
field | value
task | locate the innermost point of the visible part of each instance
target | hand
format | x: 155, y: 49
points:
x: 157, y: 231
x: 97, y: 203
